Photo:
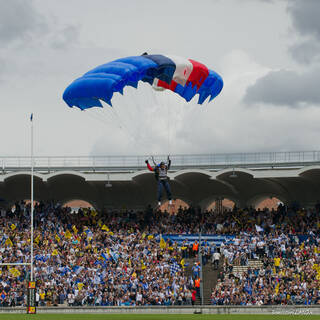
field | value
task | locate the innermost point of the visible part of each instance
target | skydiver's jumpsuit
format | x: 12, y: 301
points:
x: 162, y: 179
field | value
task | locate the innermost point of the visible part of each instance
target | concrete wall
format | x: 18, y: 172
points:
x: 272, y: 310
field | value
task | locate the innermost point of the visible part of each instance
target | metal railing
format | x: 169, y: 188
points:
x: 249, y: 160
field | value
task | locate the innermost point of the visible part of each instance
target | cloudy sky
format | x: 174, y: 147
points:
x: 267, y: 52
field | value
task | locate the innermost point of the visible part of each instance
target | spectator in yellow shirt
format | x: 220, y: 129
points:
x: 277, y: 263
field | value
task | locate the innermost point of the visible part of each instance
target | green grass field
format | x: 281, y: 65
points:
x: 153, y: 317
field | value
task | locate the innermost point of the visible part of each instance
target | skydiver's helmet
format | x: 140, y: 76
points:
x: 161, y: 164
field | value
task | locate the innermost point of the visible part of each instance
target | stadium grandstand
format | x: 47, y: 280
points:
x: 120, y: 252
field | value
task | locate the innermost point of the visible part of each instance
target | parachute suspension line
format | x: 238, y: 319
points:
x: 139, y: 111
x: 124, y: 128
x: 94, y: 116
x: 160, y: 103
x: 101, y: 114
x: 169, y: 124
x: 132, y: 133
x: 165, y: 103
x: 115, y: 119
x: 155, y: 103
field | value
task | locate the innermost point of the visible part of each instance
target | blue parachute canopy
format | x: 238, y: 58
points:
x: 186, y: 77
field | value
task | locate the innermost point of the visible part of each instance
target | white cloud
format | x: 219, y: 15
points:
x: 19, y: 21
x: 288, y: 88
x: 243, y: 41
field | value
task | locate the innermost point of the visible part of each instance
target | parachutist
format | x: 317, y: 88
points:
x: 161, y: 174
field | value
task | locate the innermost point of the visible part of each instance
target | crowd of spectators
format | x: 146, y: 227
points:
x: 118, y: 258
x: 289, y: 274
x: 85, y: 258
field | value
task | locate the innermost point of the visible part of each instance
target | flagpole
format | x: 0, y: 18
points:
x: 31, y: 264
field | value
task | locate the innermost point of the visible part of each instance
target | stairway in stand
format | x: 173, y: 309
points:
x: 210, y: 278
x: 188, y: 273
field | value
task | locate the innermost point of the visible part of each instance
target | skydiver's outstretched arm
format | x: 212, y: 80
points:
x: 169, y: 163
x: 148, y: 165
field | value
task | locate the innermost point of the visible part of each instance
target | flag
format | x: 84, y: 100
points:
x: 105, y: 228
x: 89, y: 234
x: 114, y: 256
x: 236, y: 219
x: 57, y: 238
x: 37, y: 239
x: 68, y: 234
x: 75, y: 230
x: 182, y: 262
x: 80, y: 286
x: 15, y: 272
x: 259, y: 229
x: 77, y: 269
x: 54, y: 252
x: 9, y: 242
x: 143, y: 266
x: 104, y: 257
x: 93, y: 213
x: 143, y: 235
x: 162, y: 243
x: 13, y: 226
x: 150, y: 237
x: 174, y: 268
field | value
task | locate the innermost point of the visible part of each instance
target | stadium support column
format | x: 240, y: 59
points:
x: 219, y: 206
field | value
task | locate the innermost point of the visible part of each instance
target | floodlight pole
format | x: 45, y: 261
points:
x: 31, y: 213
